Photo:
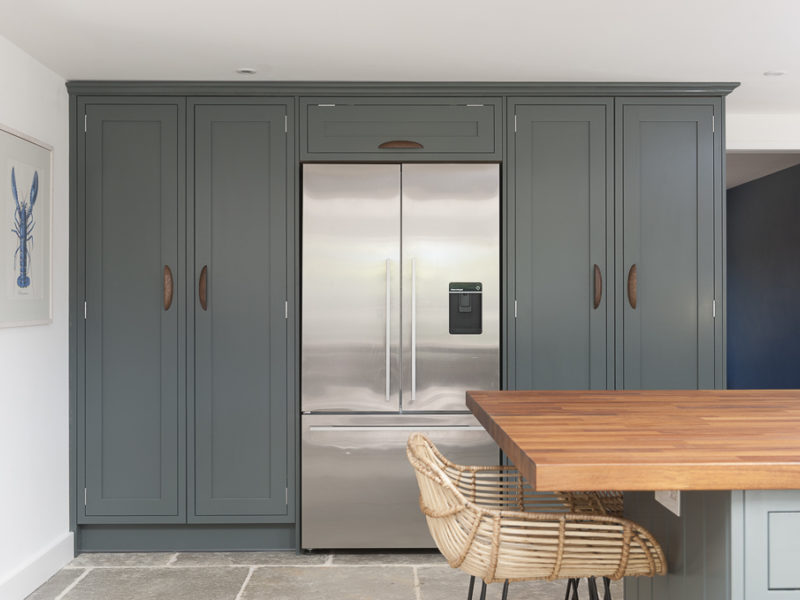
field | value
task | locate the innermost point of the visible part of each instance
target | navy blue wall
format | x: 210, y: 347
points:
x: 764, y: 282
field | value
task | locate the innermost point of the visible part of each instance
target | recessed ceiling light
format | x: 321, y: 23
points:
x: 774, y: 73
x: 246, y: 71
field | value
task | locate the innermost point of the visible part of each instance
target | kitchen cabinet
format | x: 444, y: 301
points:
x: 614, y: 292
x: 133, y: 457
x: 770, y: 538
x: 238, y: 434
x: 666, y: 213
x: 561, y: 195
x: 343, y: 129
x: 185, y: 417
x: 186, y: 423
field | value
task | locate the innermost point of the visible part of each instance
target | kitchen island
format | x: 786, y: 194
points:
x: 734, y: 454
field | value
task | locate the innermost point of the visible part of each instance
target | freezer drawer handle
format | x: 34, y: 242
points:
x: 388, y: 330
x: 404, y: 144
x: 413, y: 330
x: 395, y: 428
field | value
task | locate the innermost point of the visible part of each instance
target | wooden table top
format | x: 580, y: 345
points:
x: 647, y: 440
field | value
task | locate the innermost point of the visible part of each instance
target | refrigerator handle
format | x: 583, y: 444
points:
x: 413, y: 329
x: 388, y: 330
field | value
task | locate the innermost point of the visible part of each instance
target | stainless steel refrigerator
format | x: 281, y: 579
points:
x: 400, y: 316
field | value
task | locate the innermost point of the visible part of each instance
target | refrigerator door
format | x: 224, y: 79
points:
x: 451, y: 240
x: 351, y: 288
x: 359, y: 491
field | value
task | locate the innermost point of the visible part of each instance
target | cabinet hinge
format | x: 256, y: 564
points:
x: 85, y: 123
x: 714, y: 309
x: 286, y: 309
x: 515, y: 123
x: 84, y: 496
x: 286, y: 123
x: 515, y: 309
x: 84, y: 310
x: 326, y: 105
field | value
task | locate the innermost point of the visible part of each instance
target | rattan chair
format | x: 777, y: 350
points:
x: 487, y: 522
x: 595, y: 503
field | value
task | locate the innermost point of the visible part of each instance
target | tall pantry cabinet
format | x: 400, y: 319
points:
x: 615, y: 243
x: 186, y: 412
x: 239, y: 440
x: 668, y: 205
x: 561, y: 232
x: 132, y: 462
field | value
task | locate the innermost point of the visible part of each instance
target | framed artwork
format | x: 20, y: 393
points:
x: 26, y: 212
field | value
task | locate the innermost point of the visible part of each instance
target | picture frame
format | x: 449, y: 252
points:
x: 26, y: 230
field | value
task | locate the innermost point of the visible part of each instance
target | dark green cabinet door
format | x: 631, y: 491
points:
x: 240, y: 443
x: 665, y: 241
x: 369, y: 129
x: 133, y: 439
x: 561, y: 194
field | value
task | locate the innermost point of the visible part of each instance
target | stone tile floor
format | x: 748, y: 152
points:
x: 276, y: 576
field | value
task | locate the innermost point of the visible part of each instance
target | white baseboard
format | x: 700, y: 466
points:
x: 26, y: 578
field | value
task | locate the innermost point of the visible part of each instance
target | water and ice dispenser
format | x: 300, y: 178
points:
x: 466, y: 313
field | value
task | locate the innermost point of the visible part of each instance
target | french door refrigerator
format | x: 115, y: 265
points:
x: 400, y: 316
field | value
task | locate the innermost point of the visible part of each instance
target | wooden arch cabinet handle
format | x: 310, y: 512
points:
x: 632, y: 287
x: 202, y: 288
x: 598, y: 286
x: 403, y: 144
x: 169, y: 287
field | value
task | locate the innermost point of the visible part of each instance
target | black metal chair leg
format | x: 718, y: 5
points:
x: 505, y: 590
x: 483, y: 590
x: 572, y: 585
x: 607, y: 586
x: 471, y: 587
x: 591, y: 583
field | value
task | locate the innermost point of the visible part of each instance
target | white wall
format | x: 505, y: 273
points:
x: 34, y: 398
x: 767, y: 132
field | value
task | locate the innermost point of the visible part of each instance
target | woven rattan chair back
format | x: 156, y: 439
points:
x: 487, y: 522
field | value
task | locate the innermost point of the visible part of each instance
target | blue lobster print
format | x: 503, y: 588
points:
x: 23, y: 227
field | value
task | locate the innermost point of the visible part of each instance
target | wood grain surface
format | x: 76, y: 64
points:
x: 647, y: 440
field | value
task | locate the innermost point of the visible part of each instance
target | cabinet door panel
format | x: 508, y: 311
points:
x: 770, y: 535
x: 133, y: 440
x: 349, y: 129
x: 560, y: 187
x: 240, y: 409
x: 667, y: 204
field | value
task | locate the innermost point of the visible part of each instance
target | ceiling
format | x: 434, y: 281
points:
x: 741, y: 167
x: 422, y: 40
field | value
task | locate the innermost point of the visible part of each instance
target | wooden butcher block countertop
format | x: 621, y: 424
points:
x: 647, y: 440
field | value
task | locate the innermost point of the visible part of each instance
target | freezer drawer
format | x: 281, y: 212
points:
x: 359, y: 491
